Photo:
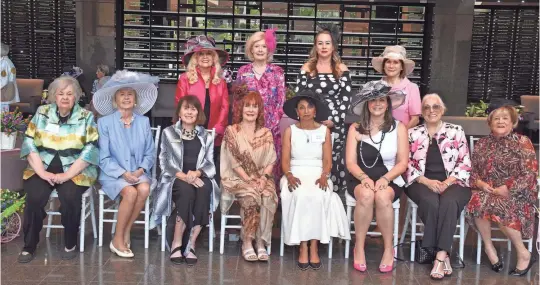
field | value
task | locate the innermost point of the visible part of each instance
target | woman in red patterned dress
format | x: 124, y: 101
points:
x: 503, y: 180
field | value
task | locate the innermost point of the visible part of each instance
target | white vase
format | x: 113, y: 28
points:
x: 7, y: 141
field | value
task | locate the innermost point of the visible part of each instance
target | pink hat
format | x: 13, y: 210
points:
x: 199, y: 43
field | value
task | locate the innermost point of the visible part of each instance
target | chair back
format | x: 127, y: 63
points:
x: 157, y: 133
x: 472, y: 141
x: 164, y: 106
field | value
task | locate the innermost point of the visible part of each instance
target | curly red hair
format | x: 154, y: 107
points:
x: 250, y: 97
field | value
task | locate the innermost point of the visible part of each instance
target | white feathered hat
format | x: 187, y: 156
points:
x: 143, y: 84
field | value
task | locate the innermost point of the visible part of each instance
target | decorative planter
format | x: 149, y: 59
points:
x: 7, y: 141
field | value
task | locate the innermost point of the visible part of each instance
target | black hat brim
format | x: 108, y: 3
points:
x: 289, y: 108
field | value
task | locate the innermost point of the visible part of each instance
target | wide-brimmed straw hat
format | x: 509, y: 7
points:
x: 143, y: 84
x: 199, y: 43
x: 322, y: 110
x: 393, y: 52
x: 374, y: 90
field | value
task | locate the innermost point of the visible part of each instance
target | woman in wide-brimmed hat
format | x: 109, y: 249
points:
x: 312, y: 212
x: 395, y: 66
x: 377, y: 152
x: 204, y: 79
x: 126, y: 147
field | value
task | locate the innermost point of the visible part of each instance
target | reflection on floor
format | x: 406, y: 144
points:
x: 151, y: 266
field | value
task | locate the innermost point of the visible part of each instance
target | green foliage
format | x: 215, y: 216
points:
x: 477, y: 109
x: 289, y: 93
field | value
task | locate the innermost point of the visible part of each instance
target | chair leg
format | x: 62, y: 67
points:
x: 115, y: 218
x: 269, y: 248
x: 406, y: 225
x: 50, y: 217
x: 222, y: 233
x: 93, y: 215
x: 478, y: 248
x: 101, y: 202
x: 211, y: 233
x: 82, y: 224
x: 348, y: 242
x: 282, y: 242
x: 413, y: 232
x: 146, y: 222
x: 163, y: 234
x: 509, y: 245
x: 462, y: 234
x: 330, y: 244
x: 396, y: 230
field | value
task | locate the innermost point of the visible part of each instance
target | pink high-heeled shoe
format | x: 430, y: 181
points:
x: 358, y: 266
x: 383, y: 268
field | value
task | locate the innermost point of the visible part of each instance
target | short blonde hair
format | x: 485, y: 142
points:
x: 435, y: 96
x: 514, y: 116
x: 62, y: 83
x: 257, y: 36
x: 192, y: 68
x: 113, y: 99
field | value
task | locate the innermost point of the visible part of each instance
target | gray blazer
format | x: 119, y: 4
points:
x: 171, y: 161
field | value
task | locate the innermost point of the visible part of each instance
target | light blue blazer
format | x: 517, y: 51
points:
x: 114, y: 147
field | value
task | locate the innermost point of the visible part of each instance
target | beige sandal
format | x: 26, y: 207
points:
x: 447, y: 267
x: 249, y: 255
x: 437, y: 274
x: 262, y: 254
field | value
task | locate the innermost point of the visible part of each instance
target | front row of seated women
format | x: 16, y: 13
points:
x: 431, y: 164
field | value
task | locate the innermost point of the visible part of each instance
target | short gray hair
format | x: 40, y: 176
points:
x: 436, y: 96
x: 61, y: 83
x: 103, y: 68
x: 4, y: 49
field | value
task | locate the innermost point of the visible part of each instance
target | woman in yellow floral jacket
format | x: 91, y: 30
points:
x: 60, y: 145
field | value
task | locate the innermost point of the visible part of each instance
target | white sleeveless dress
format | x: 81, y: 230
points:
x: 309, y: 212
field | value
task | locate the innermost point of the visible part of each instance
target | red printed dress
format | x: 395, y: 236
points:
x: 510, y: 161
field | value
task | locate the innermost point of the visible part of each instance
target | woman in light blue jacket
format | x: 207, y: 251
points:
x: 127, y: 151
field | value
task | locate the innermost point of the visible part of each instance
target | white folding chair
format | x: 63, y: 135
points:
x: 472, y: 141
x: 412, y: 218
x: 114, y: 207
x: 351, y: 203
x: 282, y: 242
x: 224, y: 226
x: 211, y: 228
x: 86, y: 210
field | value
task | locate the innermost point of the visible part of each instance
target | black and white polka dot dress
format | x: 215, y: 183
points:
x: 337, y: 93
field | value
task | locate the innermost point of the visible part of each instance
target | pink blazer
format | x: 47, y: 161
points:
x: 454, y: 150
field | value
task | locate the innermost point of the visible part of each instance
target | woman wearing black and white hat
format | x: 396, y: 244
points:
x: 311, y: 210
x: 377, y: 152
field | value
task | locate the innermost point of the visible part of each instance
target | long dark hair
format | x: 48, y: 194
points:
x: 365, y: 118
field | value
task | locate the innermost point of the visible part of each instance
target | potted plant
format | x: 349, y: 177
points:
x: 477, y: 109
x: 12, y: 204
x: 11, y: 125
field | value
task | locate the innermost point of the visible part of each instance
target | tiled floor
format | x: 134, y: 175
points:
x: 151, y: 266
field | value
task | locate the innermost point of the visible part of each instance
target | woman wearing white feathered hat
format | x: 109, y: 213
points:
x: 127, y: 151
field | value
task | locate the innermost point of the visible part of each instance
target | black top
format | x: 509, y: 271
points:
x: 370, y: 153
x: 191, y: 154
x: 434, y: 163
x: 207, y: 108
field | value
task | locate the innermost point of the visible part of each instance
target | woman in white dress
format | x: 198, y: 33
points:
x: 311, y: 210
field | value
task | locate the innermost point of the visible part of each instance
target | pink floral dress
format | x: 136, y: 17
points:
x: 271, y: 86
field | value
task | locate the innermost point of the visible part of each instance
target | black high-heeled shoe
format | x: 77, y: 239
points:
x: 191, y: 261
x: 497, y: 267
x: 302, y: 266
x: 519, y: 272
x: 176, y: 260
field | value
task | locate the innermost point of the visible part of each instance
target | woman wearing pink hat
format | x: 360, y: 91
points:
x: 395, y: 66
x: 203, y: 79
x: 267, y: 79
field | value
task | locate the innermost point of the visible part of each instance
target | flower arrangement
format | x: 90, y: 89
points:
x: 13, y: 122
x: 11, y: 202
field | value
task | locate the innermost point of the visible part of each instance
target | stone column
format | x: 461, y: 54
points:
x: 95, y: 37
x: 452, y: 35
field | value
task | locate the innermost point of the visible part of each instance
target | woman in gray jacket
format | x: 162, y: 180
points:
x: 187, y: 179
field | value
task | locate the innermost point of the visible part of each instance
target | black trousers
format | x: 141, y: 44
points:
x: 37, y: 195
x: 439, y: 212
x: 192, y: 205
x: 217, y: 158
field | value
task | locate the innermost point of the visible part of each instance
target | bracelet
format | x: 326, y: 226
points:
x: 447, y: 184
x: 384, y: 177
x: 362, y: 177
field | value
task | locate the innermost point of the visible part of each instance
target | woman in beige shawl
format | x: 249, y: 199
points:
x: 247, y: 159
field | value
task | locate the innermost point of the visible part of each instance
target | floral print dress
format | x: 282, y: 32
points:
x: 271, y: 86
x: 336, y: 92
x: 510, y: 161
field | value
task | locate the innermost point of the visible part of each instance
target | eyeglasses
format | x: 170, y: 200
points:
x: 435, y: 108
